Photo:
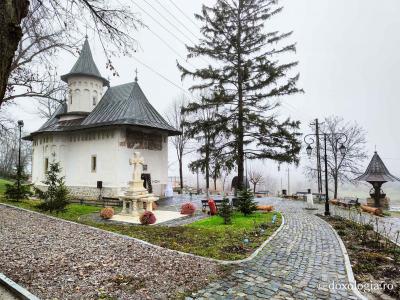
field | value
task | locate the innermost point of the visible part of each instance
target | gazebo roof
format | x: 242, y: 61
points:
x: 377, y: 171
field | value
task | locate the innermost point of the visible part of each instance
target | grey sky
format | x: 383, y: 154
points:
x: 349, y: 60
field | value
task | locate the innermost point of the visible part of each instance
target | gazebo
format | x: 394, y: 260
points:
x: 377, y: 174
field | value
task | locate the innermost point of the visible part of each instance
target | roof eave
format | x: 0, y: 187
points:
x: 66, y: 76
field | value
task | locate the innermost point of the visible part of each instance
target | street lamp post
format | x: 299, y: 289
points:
x: 20, y: 125
x: 339, y: 137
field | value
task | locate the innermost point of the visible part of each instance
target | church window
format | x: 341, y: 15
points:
x: 46, y: 165
x: 94, y: 100
x: 94, y: 163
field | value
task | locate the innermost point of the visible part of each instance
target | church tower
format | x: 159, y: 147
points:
x: 85, y: 84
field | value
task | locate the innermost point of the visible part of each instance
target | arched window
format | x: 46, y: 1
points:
x: 94, y: 98
x: 77, y: 94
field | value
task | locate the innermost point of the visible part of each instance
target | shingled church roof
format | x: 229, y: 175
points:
x: 124, y: 104
x: 377, y: 171
x: 85, y: 65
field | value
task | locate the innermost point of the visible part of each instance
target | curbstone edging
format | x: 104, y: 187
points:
x: 16, y: 289
x: 349, y: 270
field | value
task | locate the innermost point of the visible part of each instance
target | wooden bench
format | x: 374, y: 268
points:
x: 204, y: 204
x: 346, y: 202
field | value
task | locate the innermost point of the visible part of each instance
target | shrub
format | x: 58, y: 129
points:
x: 107, y: 213
x: 246, y: 202
x: 15, y: 193
x: 226, y: 211
x: 188, y: 209
x: 147, y: 218
x: 56, y: 196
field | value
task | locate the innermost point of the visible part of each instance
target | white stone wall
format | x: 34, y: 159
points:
x: 74, y: 152
x: 84, y: 93
x: 156, y: 161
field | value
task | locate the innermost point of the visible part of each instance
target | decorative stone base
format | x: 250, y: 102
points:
x: 92, y: 192
x: 384, y: 202
x: 88, y: 192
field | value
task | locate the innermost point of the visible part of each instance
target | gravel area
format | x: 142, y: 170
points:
x: 57, y: 259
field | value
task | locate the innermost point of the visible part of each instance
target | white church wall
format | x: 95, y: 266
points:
x: 155, y: 160
x: 74, y: 151
x: 84, y: 93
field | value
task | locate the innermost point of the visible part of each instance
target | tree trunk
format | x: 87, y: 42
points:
x: 215, y: 182
x: 181, y: 173
x: 240, y: 134
x: 254, y: 187
x: 11, y: 14
x: 336, y: 186
x: 207, y: 163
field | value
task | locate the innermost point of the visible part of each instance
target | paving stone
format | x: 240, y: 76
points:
x: 299, y: 263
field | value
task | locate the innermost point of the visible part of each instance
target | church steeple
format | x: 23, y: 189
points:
x: 85, y: 66
x: 85, y: 83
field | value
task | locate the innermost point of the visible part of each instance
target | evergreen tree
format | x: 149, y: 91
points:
x: 246, y: 79
x: 56, y: 196
x: 225, y: 211
x: 247, y: 205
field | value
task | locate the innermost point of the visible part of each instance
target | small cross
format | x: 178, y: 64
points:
x: 136, y: 72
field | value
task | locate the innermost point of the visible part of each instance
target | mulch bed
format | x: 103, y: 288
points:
x: 375, y: 260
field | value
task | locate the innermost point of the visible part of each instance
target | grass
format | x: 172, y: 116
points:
x: 239, y: 221
x: 207, y: 237
x: 3, y: 183
x: 73, y: 212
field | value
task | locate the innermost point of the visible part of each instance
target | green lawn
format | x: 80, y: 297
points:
x: 239, y: 221
x: 207, y: 237
x: 3, y: 183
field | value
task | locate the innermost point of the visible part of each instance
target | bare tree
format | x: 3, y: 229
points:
x: 175, y: 117
x: 342, y: 168
x: 256, y: 178
x: 9, y: 136
x: 62, y: 21
x: 32, y: 73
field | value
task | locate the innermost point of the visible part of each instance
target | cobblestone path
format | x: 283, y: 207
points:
x: 299, y: 263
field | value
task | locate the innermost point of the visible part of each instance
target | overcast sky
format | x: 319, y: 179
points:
x: 349, y: 62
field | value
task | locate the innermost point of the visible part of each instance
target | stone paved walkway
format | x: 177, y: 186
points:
x: 299, y: 263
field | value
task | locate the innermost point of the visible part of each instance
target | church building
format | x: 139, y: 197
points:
x: 95, y: 133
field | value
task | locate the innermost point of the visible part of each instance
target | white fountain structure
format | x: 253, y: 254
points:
x: 136, y: 198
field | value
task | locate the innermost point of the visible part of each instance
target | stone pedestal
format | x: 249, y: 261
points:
x: 384, y: 202
x: 135, y: 198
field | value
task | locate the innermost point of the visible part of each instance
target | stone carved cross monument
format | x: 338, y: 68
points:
x: 137, y: 161
x: 136, y: 196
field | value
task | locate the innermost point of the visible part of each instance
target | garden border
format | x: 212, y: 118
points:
x: 349, y: 270
x: 15, y: 289
x: 223, y: 262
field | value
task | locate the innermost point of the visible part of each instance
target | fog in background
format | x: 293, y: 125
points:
x: 349, y: 61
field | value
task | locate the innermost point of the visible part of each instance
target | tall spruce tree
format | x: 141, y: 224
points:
x: 247, y: 80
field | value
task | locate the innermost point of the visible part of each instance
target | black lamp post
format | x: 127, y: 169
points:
x: 20, y: 125
x: 339, y: 137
